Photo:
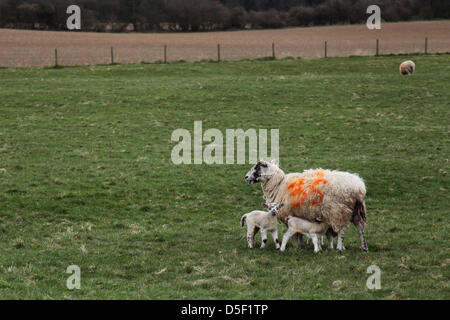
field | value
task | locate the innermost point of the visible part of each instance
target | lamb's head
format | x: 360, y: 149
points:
x: 261, y: 172
x: 273, y: 207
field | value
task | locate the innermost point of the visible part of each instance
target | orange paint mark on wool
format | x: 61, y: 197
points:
x: 315, y: 190
x: 320, y: 174
x: 297, y: 192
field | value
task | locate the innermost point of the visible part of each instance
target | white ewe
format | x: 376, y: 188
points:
x: 333, y: 197
x: 266, y: 221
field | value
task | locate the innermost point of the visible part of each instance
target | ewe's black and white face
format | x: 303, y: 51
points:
x: 273, y: 207
x: 257, y: 172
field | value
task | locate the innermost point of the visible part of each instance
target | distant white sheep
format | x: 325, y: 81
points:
x: 407, y: 67
x: 333, y: 197
x: 266, y: 221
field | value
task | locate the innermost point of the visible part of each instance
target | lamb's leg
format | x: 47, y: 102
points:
x: 315, y: 241
x: 275, y: 239
x: 300, y: 241
x: 361, y: 236
x: 263, y: 238
x: 250, y: 235
x: 340, y: 244
x: 297, y: 241
x: 286, y: 238
x: 320, y: 242
x: 330, y: 241
x: 331, y: 235
x: 294, y: 241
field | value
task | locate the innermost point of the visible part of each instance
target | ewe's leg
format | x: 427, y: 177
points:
x: 359, y: 221
x: 286, y: 237
x: 263, y: 238
x: 340, y: 244
x: 363, y: 239
x: 275, y: 239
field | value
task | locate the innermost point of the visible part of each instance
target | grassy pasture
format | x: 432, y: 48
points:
x: 86, y: 178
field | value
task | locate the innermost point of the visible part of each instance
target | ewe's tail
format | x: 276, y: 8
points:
x: 243, y: 219
x: 359, y: 214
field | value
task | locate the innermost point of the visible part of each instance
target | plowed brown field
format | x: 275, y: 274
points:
x: 36, y: 48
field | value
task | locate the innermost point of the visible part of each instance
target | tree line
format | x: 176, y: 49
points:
x: 210, y: 15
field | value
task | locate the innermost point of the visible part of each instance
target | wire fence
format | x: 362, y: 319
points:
x: 73, y: 55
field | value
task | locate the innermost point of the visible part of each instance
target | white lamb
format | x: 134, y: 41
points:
x: 312, y: 230
x: 266, y: 221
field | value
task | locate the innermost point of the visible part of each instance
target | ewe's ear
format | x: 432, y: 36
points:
x: 263, y: 164
x: 281, y: 205
x: 265, y: 206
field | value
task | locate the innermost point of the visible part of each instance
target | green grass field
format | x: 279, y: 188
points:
x: 86, y: 178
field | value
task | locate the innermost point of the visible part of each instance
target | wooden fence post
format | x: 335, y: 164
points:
x: 325, y: 49
x: 273, y: 51
x: 426, y: 45
x: 165, y: 53
x: 218, y: 52
x: 56, y: 57
x: 112, y: 55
